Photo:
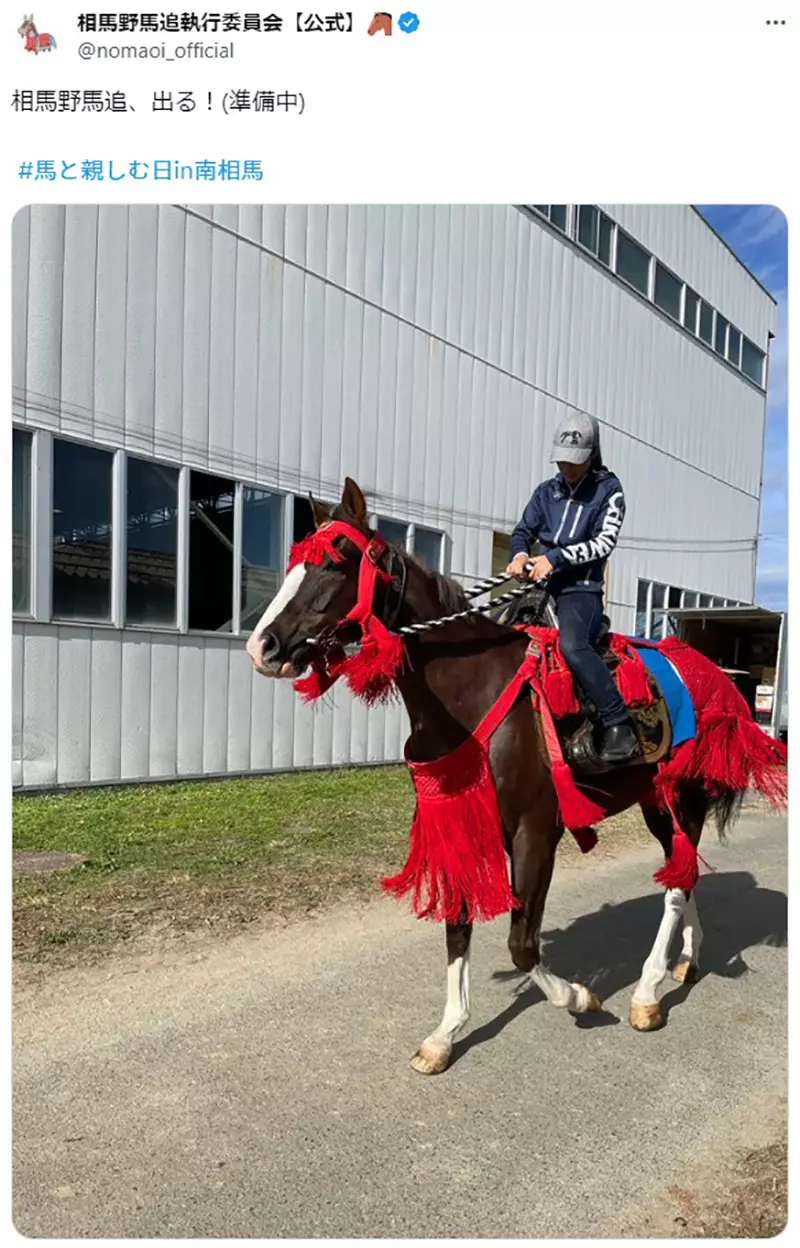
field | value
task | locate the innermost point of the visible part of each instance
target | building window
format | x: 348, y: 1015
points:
x: 606, y: 231
x: 21, y: 521
x: 657, y: 617
x: 691, y: 303
x: 720, y: 334
x: 667, y: 293
x: 594, y: 232
x: 81, y: 532
x: 752, y: 362
x: 689, y: 598
x: 704, y: 601
x: 428, y: 547
x: 633, y: 262
x: 706, y: 322
x: 152, y: 546
x: 556, y: 214
x: 394, y: 531
x: 262, y: 552
x: 211, y: 510
x: 642, y: 589
x: 734, y: 346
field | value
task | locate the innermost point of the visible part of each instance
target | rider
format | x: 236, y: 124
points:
x: 576, y: 516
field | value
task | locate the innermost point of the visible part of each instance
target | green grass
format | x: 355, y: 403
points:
x: 162, y: 860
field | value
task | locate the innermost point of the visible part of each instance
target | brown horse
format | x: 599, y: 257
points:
x: 451, y: 678
x: 380, y: 24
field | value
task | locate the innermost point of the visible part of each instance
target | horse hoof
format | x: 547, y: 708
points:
x: 646, y: 1017
x: 588, y: 1001
x: 685, y: 972
x: 428, y: 1061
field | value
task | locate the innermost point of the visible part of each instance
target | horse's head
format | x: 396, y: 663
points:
x: 313, y: 597
x: 27, y: 27
x: 380, y: 22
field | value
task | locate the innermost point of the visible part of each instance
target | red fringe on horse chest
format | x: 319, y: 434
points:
x: 457, y: 866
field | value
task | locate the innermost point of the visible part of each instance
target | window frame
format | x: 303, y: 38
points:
x: 27, y: 613
x: 647, y: 293
x: 116, y: 456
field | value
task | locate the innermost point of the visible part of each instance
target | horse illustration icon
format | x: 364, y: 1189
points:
x: 381, y: 24
x: 570, y: 436
x: 34, y: 42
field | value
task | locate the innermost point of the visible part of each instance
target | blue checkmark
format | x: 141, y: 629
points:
x: 408, y: 23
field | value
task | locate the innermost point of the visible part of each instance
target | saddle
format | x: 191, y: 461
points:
x: 579, y: 732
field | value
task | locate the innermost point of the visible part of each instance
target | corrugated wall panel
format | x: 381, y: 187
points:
x: 135, y: 713
x: 17, y: 706
x: 45, y: 308
x: 191, y: 684
x: 74, y: 705
x: 170, y: 293
x: 110, y: 323
x: 77, y: 333
x: 40, y: 705
x: 106, y: 705
x: 140, y: 339
x: 164, y: 720
x: 215, y: 706
x: 21, y: 252
x: 222, y: 341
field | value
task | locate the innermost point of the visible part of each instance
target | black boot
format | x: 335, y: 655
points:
x: 620, y: 744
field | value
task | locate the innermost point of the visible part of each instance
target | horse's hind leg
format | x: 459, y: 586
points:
x: 533, y: 852
x: 645, y: 1012
x: 433, y: 1055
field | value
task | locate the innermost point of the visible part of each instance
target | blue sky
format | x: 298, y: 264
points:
x: 757, y: 233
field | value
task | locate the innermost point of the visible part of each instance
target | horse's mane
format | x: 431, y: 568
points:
x: 450, y: 593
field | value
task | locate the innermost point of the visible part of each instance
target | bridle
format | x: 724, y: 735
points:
x: 371, y: 666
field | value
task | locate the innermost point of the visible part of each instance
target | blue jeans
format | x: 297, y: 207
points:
x: 580, y: 616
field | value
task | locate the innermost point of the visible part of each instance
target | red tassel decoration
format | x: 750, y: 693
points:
x: 318, y: 681
x: 632, y: 681
x: 559, y: 690
x: 371, y: 673
x: 457, y: 862
x: 680, y: 870
x: 577, y: 810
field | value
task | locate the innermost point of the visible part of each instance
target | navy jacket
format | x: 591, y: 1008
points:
x: 577, y: 528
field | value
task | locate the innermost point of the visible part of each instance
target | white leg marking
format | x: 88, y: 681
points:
x: 692, y: 933
x: 281, y: 600
x: 559, y: 992
x: 456, y: 1011
x: 655, y: 968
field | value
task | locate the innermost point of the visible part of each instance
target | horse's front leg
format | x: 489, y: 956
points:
x: 532, y: 859
x: 433, y: 1055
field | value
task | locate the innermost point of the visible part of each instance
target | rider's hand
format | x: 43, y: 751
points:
x: 542, y: 567
x: 517, y: 566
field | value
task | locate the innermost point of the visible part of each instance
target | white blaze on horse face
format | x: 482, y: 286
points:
x: 279, y: 603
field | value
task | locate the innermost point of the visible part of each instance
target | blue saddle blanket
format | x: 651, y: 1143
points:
x: 676, y: 695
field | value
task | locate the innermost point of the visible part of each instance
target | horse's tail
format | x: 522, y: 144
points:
x: 725, y: 807
x: 53, y: 43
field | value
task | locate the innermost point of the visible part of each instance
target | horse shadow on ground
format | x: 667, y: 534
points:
x: 606, y: 949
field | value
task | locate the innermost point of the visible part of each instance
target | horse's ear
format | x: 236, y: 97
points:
x: 354, y: 500
x: 320, y: 511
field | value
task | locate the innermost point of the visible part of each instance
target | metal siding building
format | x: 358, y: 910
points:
x: 426, y: 351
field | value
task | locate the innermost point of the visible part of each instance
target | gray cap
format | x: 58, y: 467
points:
x: 576, y: 437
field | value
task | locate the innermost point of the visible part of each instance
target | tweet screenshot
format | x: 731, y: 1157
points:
x: 398, y: 653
